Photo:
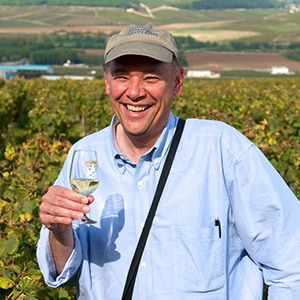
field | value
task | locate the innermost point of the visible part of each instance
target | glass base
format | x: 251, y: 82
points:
x: 85, y: 219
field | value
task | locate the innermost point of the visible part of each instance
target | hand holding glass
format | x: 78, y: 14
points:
x: 84, y: 175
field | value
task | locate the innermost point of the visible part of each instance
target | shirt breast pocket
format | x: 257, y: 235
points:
x: 200, y: 259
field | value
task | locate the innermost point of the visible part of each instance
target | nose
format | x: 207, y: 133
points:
x: 135, y: 90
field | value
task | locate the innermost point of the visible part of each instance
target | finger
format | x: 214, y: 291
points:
x: 53, y: 216
x: 54, y: 222
x: 60, y: 206
x: 90, y: 199
x: 63, y: 192
x: 49, y: 204
x: 63, y: 197
x: 64, y: 209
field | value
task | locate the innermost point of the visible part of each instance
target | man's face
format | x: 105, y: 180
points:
x: 141, y: 90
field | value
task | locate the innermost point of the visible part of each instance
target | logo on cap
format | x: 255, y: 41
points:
x: 141, y: 30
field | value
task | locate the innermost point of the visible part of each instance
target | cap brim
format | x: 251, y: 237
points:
x: 138, y: 48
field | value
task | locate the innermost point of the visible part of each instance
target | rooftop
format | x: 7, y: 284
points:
x: 26, y: 68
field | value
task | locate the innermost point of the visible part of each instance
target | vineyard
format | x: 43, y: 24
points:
x: 41, y: 119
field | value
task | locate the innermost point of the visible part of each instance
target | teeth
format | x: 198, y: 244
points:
x: 136, y: 108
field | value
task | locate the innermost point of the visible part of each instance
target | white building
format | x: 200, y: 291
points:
x: 280, y: 70
x: 73, y: 77
x: 202, y: 74
x: 10, y: 71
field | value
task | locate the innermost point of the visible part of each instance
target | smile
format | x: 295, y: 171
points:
x: 134, y: 108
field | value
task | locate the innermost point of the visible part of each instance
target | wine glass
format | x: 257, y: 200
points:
x: 84, y: 175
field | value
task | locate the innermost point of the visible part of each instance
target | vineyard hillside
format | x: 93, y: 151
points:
x: 41, y: 119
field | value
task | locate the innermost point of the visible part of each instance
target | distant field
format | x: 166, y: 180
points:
x: 212, y: 25
x: 225, y: 61
x: 218, y: 61
x: 216, y: 26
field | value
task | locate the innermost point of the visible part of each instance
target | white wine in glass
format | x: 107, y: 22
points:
x: 84, y: 175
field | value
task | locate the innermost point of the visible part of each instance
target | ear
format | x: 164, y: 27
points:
x: 106, y: 81
x: 178, y: 81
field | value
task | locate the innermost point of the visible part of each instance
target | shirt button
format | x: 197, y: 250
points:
x: 140, y: 184
x: 156, y: 161
x: 142, y: 224
x: 143, y: 264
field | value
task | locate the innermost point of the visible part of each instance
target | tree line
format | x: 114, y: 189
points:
x: 56, y: 48
x: 51, y: 49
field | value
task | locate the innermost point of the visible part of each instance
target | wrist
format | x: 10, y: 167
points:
x: 63, y: 236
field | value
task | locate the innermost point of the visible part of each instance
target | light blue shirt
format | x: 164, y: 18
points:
x: 217, y: 176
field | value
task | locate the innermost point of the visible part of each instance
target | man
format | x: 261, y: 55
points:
x: 226, y: 222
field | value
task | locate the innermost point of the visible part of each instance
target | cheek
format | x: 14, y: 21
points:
x: 159, y: 91
x: 115, y: 90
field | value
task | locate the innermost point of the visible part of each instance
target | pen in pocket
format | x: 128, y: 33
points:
x: 218, y: 224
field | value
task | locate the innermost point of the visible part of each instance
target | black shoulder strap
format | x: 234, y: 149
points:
x: 131, y: 276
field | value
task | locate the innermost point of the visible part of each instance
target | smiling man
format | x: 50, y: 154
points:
x: 141, y: 91
x: 226, y: 222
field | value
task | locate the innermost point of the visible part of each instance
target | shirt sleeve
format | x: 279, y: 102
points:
x: 267, y: 217
x: 46, y: 262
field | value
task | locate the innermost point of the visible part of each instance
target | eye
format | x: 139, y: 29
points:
x: 121, y: 78
x: 151, y: 79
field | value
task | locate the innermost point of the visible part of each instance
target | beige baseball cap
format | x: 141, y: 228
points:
x: 144, y: 40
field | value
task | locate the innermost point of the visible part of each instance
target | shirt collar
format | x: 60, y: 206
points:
x: 156, y: 153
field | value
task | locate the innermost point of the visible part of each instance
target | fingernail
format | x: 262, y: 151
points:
x: 85, y: 209
x: 84, y: 200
